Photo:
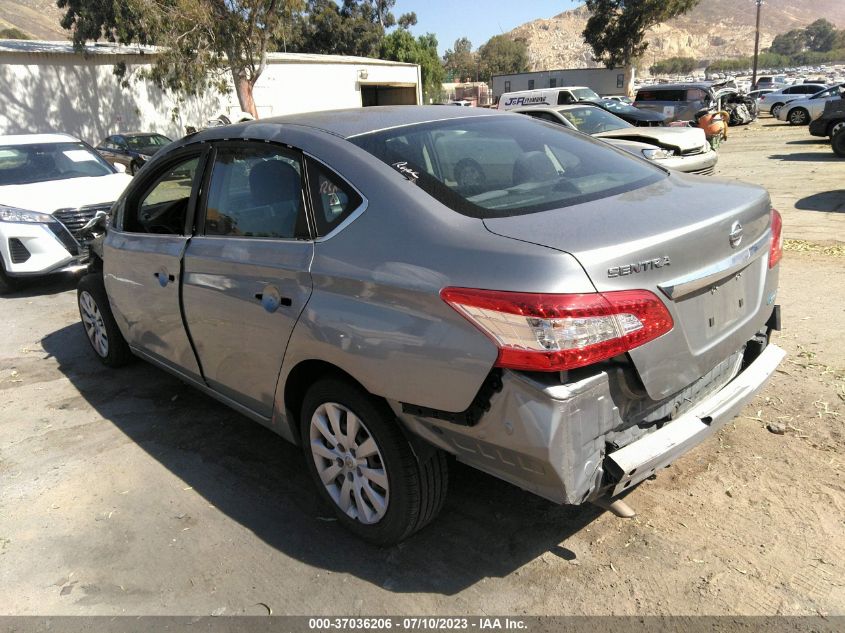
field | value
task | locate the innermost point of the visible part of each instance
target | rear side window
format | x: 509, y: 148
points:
x: 255, y: 191
x: 500, y: 166
x: 333, y: 199
x: 662, y: 95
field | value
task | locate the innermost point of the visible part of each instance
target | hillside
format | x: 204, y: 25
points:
x: 38, y: 18
x: 714, y: 29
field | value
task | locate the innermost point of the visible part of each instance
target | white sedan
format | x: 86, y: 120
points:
x: 50, y: 186
x: 802, y: 111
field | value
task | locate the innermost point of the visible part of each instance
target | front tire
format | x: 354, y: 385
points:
x: 838, y: 143
x: 364, y: 467
x: 799, y: 116
x: 7, y: 284
x: 98, y: 322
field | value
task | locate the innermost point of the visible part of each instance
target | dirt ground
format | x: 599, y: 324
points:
x: 126, y: 492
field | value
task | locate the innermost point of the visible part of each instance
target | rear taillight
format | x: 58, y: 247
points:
x: 776, y: 249
x: 553, y: 332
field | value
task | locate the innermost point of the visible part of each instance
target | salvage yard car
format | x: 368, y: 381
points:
x: 571, y: 323
x: 683, y: 148
x: 803, y: 111
x: 131, y: 150
x: 51, y: 185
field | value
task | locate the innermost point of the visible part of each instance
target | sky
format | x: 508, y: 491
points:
x: 479, y: 20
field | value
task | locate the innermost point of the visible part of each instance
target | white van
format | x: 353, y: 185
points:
x: 546, y: 97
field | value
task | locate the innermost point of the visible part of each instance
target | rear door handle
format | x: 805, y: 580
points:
x: 163, y: 278
x: 271, y: 299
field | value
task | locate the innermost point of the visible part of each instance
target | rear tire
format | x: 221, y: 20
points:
x: 776, y: 109
x: 838, y: 143
x: 364, y: 467
x: 798, y: 116
x: 98, y: 322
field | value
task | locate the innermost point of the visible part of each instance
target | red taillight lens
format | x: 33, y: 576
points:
x: 553, y: 332
x: 776, y: 249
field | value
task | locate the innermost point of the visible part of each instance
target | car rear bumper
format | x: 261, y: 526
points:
x: 641, y: 459
x: 569, y: 443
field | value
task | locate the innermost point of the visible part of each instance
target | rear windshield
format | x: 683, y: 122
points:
x: 500, y: 166
x: 662, y: 95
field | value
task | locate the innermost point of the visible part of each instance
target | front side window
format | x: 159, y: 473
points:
x: 255, y: 191
x: 500, y: 166
x: 163, y: 208
x: 42, y: 162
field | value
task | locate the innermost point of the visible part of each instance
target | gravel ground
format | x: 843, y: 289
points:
x: 126, y: 492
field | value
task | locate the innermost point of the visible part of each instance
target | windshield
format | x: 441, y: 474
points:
x: 146, y: 140
x: 584, y: 94
x: 493, y: 166
x: 830, y: 92
x: 40, y: 162
x: 590, y: 120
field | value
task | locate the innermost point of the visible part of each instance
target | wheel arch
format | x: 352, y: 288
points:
x: 307, y: 372
x: 304, y: 374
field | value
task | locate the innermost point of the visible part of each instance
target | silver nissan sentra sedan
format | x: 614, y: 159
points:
x: 567, y: 317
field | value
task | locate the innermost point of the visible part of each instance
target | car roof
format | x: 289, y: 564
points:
x: 32, y: 139
x: 678, y: 86
x: 350, y: 122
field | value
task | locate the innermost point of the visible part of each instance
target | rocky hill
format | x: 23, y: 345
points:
x: 37, y: 18
x: 714, y: 29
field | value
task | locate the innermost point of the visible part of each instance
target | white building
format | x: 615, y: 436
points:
x: 49, y: 87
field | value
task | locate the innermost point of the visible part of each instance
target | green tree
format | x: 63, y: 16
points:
x: 821, y: 36
x: 616, y: 28
x: 349, y: 29
x: 401, y: 46
x: 13, y: 33
x: 675, y: 65
x: 460, y: 62
x: 502, y: 55
x: 789, y: 43
x: 201, y: 40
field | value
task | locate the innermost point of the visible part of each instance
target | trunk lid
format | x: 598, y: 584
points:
x: 672, y: 238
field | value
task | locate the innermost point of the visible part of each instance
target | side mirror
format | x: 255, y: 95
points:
x: 120, y: 167
x: 100, y: 220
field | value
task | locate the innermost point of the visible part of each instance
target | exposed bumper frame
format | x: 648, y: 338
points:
x: 642, y: 458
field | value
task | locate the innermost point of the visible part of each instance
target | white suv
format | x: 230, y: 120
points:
x: 50, y: 186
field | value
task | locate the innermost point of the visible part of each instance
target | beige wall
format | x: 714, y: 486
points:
x: 65, y: 93
x: 79, y: 96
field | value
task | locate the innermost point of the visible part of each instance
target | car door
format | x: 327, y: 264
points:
x: 107, y: 149
x: 122, y: 153
x: 246, y: 270
x: 142, y: 261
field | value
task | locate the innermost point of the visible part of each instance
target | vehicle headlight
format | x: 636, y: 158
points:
x: 14, y: 214
x: 658, y: 153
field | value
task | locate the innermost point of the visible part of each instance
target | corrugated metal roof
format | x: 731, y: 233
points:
x: 35, y: 47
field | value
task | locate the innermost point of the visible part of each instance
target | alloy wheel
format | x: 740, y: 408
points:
x: 92, y: 320
x: 349, y: 463
x: 797, y: 117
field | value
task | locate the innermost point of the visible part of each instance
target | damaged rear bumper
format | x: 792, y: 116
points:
x: 568, y: 442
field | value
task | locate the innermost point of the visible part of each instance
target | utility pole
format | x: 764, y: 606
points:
x: 756, y: 45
